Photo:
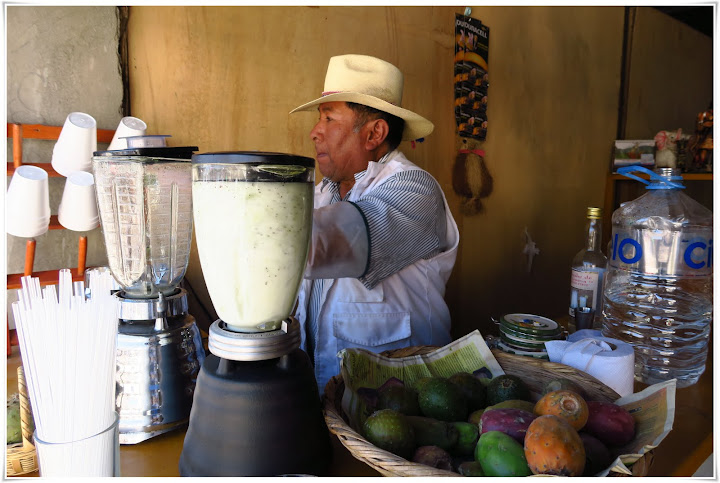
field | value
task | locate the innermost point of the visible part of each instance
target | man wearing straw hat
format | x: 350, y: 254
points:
x: 384, y: 241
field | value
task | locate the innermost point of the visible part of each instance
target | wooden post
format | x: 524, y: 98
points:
x: 29, y: 257
x: 82, y: 255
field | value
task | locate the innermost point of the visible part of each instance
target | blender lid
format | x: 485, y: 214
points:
x: 175, y: 153
x: 253, y: 157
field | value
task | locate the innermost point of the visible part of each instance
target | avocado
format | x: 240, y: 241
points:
x: 504, y: 387
x: 418, y: 385
x: 432, y: 432
x: 400, y: 398
x: 390, y: 430
x: 500, y: 455
x: 472, y: 387
x: 441, y: 399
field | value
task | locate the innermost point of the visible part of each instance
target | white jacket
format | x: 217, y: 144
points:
x: 405, y: 309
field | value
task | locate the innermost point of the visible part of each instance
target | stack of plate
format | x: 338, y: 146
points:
x: 526, y: 334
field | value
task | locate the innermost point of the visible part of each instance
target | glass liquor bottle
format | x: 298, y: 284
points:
x: 586, y: 277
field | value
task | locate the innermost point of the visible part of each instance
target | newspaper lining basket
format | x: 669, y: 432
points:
x: 536, y: 373
x: 21, y: 457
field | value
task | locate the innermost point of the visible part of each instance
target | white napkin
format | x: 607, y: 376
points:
x: 609, y: 360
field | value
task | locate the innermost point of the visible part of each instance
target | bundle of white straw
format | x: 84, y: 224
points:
x: 67, y: 346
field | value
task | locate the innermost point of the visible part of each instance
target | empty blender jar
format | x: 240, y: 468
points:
x: 253, y: 218
x: 145, y: 207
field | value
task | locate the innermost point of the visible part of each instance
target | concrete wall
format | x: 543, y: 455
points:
x: 60, y: 60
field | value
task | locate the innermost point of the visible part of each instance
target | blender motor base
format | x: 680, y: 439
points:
x: 260, y: 418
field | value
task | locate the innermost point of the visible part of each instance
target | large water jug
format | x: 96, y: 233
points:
x: 657, y: 294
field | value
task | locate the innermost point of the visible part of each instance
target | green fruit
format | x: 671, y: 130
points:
x: 500, y: 455
x: 14, y: 433
x: 390, y: 430
x: 468, y: 435
x: 471, y: 387
x: 504, y: 387
x: 443, y: 400
x: 418, y: 385
x: 401, y: 399
x: 432, y: 432
x: 471, y: 468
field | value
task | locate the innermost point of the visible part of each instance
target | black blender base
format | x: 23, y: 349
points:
x: 260, y: 418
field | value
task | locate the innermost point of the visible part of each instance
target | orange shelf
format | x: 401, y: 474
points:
x: 51, y: 133
x: 46, y: 166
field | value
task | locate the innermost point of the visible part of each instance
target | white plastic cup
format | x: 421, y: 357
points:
x: 129, y: 126
x: 27, y: 202
x: 97, y: 455
x: 74, y: 148
x: 78, y: 207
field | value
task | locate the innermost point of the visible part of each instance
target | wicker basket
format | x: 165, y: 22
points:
x: 535, y: 373
x: 21, y: 457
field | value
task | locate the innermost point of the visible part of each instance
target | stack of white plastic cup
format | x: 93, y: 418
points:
x: 76, y: 143
x: 28, y: 202
x: 129, y: 126
x: 78, y: 207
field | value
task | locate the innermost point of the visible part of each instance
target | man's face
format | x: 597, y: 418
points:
x: 340, y: 152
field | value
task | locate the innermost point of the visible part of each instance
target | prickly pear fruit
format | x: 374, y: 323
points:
x: 597, y: 455
x: 511, y: 421
x: 610, y: 423
x: 500, y: 455
x: 569, y: 405
x: 553, y: 447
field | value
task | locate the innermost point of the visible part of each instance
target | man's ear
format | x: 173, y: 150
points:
x: 377, y: 134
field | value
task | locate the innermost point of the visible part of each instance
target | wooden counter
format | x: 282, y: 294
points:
x: 681, y: 453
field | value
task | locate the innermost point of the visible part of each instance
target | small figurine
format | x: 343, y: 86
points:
x: 666, y: 148
x: 701, y: 143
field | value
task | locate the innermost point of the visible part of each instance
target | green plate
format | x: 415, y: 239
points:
x: 534, y: 325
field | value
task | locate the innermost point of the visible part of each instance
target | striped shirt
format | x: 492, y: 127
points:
x: 406, y: 222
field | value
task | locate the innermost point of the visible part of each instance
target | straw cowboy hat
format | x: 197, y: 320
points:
x: 371, y: 82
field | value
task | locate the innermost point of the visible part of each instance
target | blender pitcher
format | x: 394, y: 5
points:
x: 145, y: 204
x: 256, y: 410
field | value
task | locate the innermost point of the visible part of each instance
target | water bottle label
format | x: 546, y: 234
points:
x: 661, y: 252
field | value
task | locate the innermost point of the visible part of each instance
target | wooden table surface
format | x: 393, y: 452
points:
x: 681, y: 453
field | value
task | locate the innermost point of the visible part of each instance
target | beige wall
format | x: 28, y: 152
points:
x: 224, y: 78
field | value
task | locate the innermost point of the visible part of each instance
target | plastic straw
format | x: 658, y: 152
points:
x: 68, y: 348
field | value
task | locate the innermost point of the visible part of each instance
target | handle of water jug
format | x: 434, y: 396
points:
x: 628, y: 170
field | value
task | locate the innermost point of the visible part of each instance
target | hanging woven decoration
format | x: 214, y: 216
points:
x: 471, y: 77
x: 471, y: 180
